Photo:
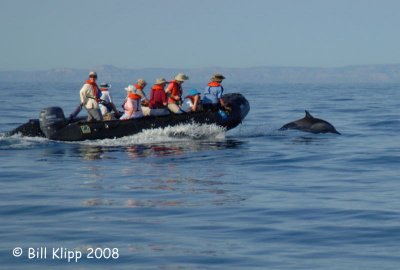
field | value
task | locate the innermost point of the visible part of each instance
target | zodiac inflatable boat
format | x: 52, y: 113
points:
x: 53, y: 125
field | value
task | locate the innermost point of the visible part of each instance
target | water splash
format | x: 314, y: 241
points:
x: 184, y: 132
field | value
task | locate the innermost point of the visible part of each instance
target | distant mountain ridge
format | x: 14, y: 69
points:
x: 262, y: 74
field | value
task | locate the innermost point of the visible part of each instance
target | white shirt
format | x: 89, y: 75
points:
x: 187, y: 105
x: 105, y: 95
x: 87, y: 98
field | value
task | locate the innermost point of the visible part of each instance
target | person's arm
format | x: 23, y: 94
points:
x: 164, y: 99
x: 142, y: 95
x: 169, y: 88
x: 175, y: 95
x: 196, y: 101
x: 82, y: 94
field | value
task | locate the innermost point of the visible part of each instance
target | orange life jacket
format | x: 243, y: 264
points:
x: 136, y: 96
x: 214, y: 84
x: 175, y: 91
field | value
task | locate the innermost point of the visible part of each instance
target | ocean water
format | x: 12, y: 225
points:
x: 197, y: 197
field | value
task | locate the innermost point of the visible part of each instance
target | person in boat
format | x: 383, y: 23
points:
x: 158, y: 99
x: 139, y: 86
x: 106, y: 104
x: 90, y: 97
x: 132, y: 104
x: 174, y: 90
x: 212, y: 97
x: 191, y: 103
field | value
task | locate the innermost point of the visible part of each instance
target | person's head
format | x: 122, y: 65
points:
x: 130, y: 88
x: 92, y: 76
x: 181, y: 77
x: 217, y: 78
x: 105, y: 86
x: 141, y: 82
x: 161, y: 81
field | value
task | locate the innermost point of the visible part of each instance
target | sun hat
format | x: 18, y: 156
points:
x: 160, y: 81
x: 105, y: 85
x: 141, y: 82
x: 217, y: 77
x: 130, y: 88
x: 181, y: 77
x: 193, y: 92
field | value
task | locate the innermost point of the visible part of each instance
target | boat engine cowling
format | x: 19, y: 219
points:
x: 51, y: 120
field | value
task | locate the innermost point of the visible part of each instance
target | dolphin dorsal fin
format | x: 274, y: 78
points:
x: 308, y: 115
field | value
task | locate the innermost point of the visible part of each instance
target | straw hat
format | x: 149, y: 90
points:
x: 141, y: 82
x: 130, y: 88
x: 217, y: 77
x: 181, y: 77
x: 160, y: 81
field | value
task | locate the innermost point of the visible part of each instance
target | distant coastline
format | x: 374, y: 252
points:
x: 389, y: 73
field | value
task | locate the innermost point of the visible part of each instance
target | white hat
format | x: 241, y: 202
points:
x: 181, y: 77
x: 130, y: 88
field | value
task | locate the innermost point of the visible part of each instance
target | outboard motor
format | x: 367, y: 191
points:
x: 51, y: 120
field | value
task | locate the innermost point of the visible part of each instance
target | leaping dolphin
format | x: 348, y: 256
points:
x: 311, y: 124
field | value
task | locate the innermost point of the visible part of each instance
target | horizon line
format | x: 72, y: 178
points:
x: 194, y: 68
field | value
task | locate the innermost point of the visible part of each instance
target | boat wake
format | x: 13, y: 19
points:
x: 184, y: 132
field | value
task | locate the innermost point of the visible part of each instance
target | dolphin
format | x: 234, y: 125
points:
x: 311, y: 124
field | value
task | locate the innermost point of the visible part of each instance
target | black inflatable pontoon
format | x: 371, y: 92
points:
x: 53, y: 125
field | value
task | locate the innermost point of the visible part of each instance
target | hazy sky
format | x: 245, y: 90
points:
x: 46, y: 34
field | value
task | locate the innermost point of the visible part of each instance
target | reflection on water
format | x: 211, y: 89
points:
x: 139, y: 151
x: 164, y: 191
x: 90, y: 152
x: 136, y: 151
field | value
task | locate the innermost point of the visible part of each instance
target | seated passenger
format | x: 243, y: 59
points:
x: 212, y: 97
x: 158, y: 99
x: 139, y: 86
x: 174, y: 90
x: 132, y: 105
x: 106, y: 104
x: 191, y: 103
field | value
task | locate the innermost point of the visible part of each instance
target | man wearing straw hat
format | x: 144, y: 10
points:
x: 174, y: 90
x: 212, y: 98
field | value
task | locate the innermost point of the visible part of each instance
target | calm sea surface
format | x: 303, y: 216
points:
x: 251, y: 198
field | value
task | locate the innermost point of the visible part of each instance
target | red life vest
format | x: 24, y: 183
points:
x: 157, y: 97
